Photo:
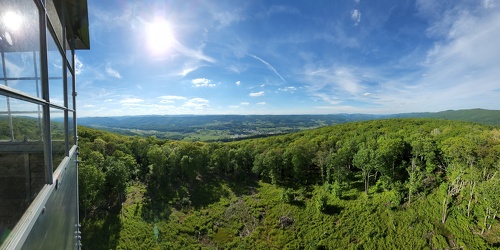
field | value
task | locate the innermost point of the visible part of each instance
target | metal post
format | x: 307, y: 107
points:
x: 9, y: 114
x: 45, y: 95
x: 38, y: 95
x: 65, y: 87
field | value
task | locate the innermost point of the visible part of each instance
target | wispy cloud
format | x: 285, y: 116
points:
x: 171, y: 98
x: 186, y: 70
x: 269, y: 66
x: 237, y: 83
x: 245, y: 103
x: 356, y: 16
x: 339, y: 79
x: 131, y: 101
x: 256, y: 94
x: 261, y: 103
x: 278, y: 9
x: 202, y: 82
x: 112, y: 72
x: 223, y: 16
x: 78, y: 65
x: 197, y: 103
x: 288, y: 89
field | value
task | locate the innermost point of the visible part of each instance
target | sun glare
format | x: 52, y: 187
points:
x: 159, y: 36
x: 12, y: 20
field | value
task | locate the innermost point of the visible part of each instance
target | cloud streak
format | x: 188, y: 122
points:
x: 269, y: 66
x: 113, y: 72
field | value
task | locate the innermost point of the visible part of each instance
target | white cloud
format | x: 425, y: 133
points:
x: 256, y: 94
x: 356, y: 16
x: 108, y: 100
x: 288, y: 89
x: 89, y: 106
x: 78, y: 66
x: 131, y: 101
x: 113, y: 72
x: 460, y: 71
x: 202, y: 82
x: 234, y: 106
x: 489, y: 4
x: 245, y: 103
x: 197, y: 103
x: 171, y: 98
x: 238, y: 83
x: 261, y: 103
x: 367, y: 94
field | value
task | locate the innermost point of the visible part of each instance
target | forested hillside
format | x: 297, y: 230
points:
x: 396, y: 183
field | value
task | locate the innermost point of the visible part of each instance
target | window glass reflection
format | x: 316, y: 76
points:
x: 55, y: 67
x: 22, y: 162
x: 71, y: 128
x: 57, y: 136
x: 69, y: 83
x: 20, y: 121
x: 19, y: 45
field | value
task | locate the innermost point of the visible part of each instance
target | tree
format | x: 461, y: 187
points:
x: 90, y: 186
x: 300, y: 154
x: 365, y: 159
x: 389, y: 153
x: 99, y: 145
x: 489, y: 202
x: 117, y: 177
x: 159, y: 166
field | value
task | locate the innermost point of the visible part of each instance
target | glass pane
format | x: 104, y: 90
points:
x: 55, y: 66
x: 69, y: 54
x: 21, y: 121
x: 71, y: 128
x: 22, y: 72
x: 57, y: 136
x: 54, y: 19
x: 22, y: 162
x: 20, y: 30
x: 69, y: 83
x: 19, y: 45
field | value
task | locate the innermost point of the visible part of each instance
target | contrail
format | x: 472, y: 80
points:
x: 268, y: 66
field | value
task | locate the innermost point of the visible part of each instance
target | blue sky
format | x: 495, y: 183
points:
x: 289, y: 57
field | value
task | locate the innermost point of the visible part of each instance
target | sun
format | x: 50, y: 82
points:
x: 12, y: 20
x: 159, y: 35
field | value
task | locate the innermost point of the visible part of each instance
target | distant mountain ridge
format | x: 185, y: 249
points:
x: 484, y: 116
x: 228, y: 127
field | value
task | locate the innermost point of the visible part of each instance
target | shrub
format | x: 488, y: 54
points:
x: 321, y: 202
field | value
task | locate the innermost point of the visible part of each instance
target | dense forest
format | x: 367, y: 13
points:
x: 395, y: 183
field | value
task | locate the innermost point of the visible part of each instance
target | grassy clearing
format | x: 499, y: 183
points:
x: 260, y: 219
